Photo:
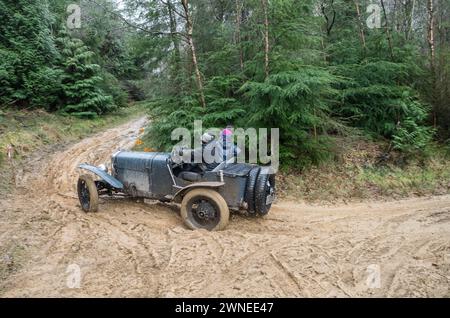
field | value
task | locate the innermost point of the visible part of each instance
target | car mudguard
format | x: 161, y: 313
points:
x: 113, y: 182
x: 178, y: 197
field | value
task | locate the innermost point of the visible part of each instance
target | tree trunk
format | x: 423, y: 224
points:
x: 237, y: 35
x: 175, y: 42
x: 395, y: 21
x: 361, y: 26
x: 264, y: 5
x: 431, y: 45
x: 409, y: 29
x: 190, y: 31
x: 329, y: 24
x: 388, y: 32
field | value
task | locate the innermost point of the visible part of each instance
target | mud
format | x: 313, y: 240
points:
x: 132, y: 249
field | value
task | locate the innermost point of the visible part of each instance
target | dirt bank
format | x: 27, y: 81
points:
x: 143, y: 249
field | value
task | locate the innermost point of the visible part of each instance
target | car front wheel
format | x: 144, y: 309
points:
x: 87, y: 193
x: 205, y: 209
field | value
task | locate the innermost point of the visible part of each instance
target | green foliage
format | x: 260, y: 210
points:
x: 328, y: 74
x: 113, y: 87
x: 27, y: 52
x: 43, y: 87
x: 378, y: 93
x: 297, y: 97
x: 374, y: 98
x: 169, y: 114
x: 411, y: 136
x: 83, y: 96
x: 8, y: 77
x: 298, y: 103
x: 61, y: 73
x: 224, y: 105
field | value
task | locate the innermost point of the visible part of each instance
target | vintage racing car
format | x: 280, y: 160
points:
x: 206, y: 197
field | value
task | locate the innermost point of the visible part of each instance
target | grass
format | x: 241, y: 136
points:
x: 432, y: 178
x: 359, y: 176
x: 29, y: 131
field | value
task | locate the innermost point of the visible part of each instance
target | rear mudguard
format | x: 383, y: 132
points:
x: 211, y: 185
x: 113, y: 182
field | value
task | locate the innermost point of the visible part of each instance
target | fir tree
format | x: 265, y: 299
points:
x: 82, y: 96
x: 27, y: 54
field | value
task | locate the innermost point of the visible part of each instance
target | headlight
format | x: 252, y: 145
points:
x: 103, y: 168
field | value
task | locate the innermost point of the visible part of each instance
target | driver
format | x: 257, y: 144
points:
x: 213, y: 152
x: 206, y: 139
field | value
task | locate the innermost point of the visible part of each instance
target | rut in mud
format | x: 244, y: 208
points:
x: 142, y: 249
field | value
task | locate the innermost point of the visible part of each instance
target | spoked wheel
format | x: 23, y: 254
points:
x: 205, y: 209
x: 87, y: 193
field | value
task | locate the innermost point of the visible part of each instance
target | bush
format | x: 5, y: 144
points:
x: 298, y: 103
x: 44, y: 88
x: 112, y: 86
x: 134, y: 90
x: 375, y: 99
x: 410, y: 137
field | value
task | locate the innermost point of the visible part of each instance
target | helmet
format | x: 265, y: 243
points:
x: 207, y: 137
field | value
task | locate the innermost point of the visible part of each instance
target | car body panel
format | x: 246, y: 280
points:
x: 113, y: 182
x: 234, y: 191
x: 208, y: 184
x: 144, y: 174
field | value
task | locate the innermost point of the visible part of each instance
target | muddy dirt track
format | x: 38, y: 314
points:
x: 143, y: 249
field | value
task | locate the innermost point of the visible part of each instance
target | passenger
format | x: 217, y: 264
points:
x: 221, y: 150
x: 229, y: 149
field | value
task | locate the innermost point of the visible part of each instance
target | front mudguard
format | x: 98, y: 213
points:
x: 110, y: 180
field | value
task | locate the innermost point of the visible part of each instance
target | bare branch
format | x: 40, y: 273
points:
x: 329, y: 26
x: 136, y: 26
x: 173, y: 9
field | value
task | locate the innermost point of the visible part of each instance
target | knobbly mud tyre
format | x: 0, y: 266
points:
x: 265, y: 186
x: 87, y: 194
x: 205, y: 209
x: 250, y: 190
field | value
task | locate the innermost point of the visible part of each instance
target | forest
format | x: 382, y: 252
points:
x: 318, y: 70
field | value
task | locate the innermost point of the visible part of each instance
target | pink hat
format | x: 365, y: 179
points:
x: 227, y: 132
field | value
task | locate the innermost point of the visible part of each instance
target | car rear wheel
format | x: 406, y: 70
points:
x: 205, y: 209
x: 87, y: 193
x: 264, y: 193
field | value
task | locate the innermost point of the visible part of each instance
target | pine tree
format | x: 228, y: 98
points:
x: 27, y: 54
x: 82, y: 96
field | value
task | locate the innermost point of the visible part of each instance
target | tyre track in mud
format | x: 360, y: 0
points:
x: 131, y: 249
